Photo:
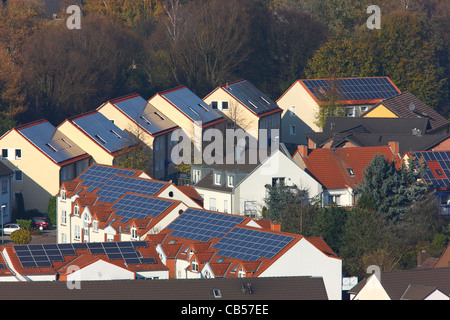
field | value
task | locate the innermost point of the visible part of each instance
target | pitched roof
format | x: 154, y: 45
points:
x: 407, y: 105
x: 189, y: 104
x: 267, y: 288
x: 444, y: 259
x: 251, y: 97
x: 342, y: 167
x: 350, y: 91
x: 4, y: 170
x: 51, y: 142
x: 102, y: 131
x: 144, y: 114
x: 398, y: 283
x: 437, y: 173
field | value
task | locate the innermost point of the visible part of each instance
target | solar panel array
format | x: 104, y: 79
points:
x: 250, y: 245
x: 133, y: 206
x: 203, y: 225
x: 191, y: 105
x: 117, y: 186
x: 39, y: 256
x: 353, y: 88
x: 96, y: 176
x: 443, y: 158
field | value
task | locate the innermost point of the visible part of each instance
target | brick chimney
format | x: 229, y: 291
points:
x: 303, y: 151
x: 421, y: 257
x: 394, y: 146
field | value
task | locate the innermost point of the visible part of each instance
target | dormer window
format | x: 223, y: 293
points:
x: 241, y: 273
x: 230, y: 181
x: 76, y: 209
x: 63, y: 194
x: 217, y: 179
x: 134, y: 234
x: 194, y: 265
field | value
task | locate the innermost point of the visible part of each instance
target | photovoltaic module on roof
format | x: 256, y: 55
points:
x: 117, y: 186
x: 438, y: 167
x: 203, y: 225
x: 250, y: 245
x: 133, y: 206
x: 353, y: 88
x: 96, y: 176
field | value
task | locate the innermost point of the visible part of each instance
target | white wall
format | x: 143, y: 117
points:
x: 304, y: 259
x: 101, y: 270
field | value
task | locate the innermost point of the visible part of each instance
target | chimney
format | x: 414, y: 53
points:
x: 421, y: 257
x: 275, y: 226
x: 303, y: 151
x: 394, y: 146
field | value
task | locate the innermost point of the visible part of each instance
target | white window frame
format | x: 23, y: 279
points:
x: 76, y: 209
x: 95, y: 225
x: 211, y: 206
x: 230, y: 181
x: 15, y: 175
x: 194, y: 265
x: 63, y: 195
x: 134, y: 234
x: 217, y: 177
x: 292, y: 111
x: 196, y: 175
x: 63, y: 217
x: 77, y: 233
x: 241, y: 273
x: 15, y: 154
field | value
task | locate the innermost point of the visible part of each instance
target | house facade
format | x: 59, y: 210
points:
x: 41, y: 157
x: 6, y: 200
x: 301, y: 101
x: 133, y: 114
x: 247, y: 108
x: 241, y: 188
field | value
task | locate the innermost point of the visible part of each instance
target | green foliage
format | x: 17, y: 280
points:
x: 51, y: 210
x: 21, y: 236
x: 25, y: 223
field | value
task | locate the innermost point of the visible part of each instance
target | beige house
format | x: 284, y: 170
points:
x: 98, y: 136
x: 188, y: 111
x: 41, y: 157
x: 247, y: 108
x: 133, y: 114
x: 301, y: 101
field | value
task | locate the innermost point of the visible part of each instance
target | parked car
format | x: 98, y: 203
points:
x: 10, y: 228
x: 40, y: 221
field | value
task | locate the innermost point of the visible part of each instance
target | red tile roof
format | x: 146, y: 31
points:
x: 331, y: 167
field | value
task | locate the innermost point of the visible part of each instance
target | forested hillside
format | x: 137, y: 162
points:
x: 49, y: 71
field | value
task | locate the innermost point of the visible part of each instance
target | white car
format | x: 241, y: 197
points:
x: 10, y: 228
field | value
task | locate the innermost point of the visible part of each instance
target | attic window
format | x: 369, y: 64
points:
x: 253, y: 105
x: 193, y: 110
x: 265, y: 100
x: 160, y: 116
x: 66, y: 143
x: 51, y: 147
x: 438, y: 172
x: 350, y: 171
x: 100, y: 139
x: 145, y: 120
x: 202, y: 106
x: 217, y: 293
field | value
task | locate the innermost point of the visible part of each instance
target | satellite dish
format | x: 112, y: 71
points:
x: 412, y: 106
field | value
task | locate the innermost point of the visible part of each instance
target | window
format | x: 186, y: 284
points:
x: 63, y: 195
x: 277, y: 181
x: 214, y: 105
x: 77, y: 233
x: 217, y: 293
x: 18, y: 176
x: 4, y: 153
x: 194, y: 265
x: 100, y: 139
x: 116, y: 134
x: 230, y: 180
x: 196, y: 175
x: 95, y: 225
x: 250, y: 208
x: 241, y: 273
x: 4, y: 186
x: 292, y: 111
x: 212, y: 204
x: 439, y: 172
x: 76, y: 210
x: 350, y: 171
x: 224, y: 105
x: 18, y: 154
x: 225, y: 206
x: 335, y: 199
x: 134, y: 234
x: 292, y: 130
x: 64, y: 217
x: 217, y: 178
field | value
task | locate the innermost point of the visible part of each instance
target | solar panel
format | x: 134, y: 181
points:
x: 443, y: 159
x: 32, y: 256
x: 203, y: 225
x: 117, y: 186
x: 133, y: 206
x: 353, y: 88
x: 250, y: 245
x: 96, y: 176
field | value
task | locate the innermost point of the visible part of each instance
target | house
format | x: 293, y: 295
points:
x: 241, y: 188
x: 189, y: 112
x: 99, y: 136
x: 247, y: 108
x: 6, y: 175
x: 417, y: 284
x: 208, y: 244
x: 409, y: 133
x: 407, y: 105
x: 340, y: 170
x: 133, y: 114
x: 41, y: 157
x: 301, y: 101
x: 437, y: 174
x: 230, y: 289
x: 106, y: 203
x: 84, y: 262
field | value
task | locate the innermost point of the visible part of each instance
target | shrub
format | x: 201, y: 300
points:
x: 21, y: 236
x: 27, y: 224
x: 51, y: 211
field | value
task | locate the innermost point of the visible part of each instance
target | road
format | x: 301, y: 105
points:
x: 47, y: 236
